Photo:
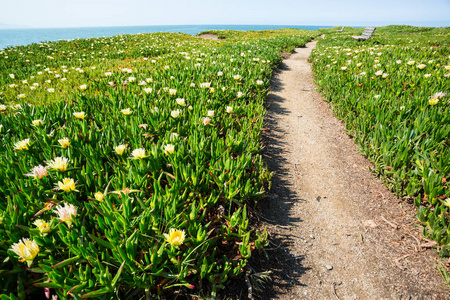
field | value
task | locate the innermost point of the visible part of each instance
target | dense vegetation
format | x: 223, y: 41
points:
x: 393, y: 93
x: 127, y: 163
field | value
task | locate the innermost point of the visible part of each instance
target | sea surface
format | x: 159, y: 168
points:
x: 14, y: 37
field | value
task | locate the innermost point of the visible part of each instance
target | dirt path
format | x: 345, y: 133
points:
x: 334, y: 240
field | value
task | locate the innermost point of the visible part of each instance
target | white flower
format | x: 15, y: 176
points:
x: 108, y: 74
x: 138, y: 153
x: 206, y: 121
x: 173, y: 136
x: 229, y: 109
x: 169, y: 149
x: 131, y: 79
x: 27, y: 250
x: 172, y: 91
x: 51, y: 90
x: 120, y: 149
x: 12, y: 76
x: 175, y: 113
x: 22, y: 145
x: 259, y: 82
x: 59, y: 163
x: 219, y: 73
x: 379, y: 73
x: 83, y: 87
x: 148, y: 90
x: 181, y: 101
x: 210, y: 113
x: 37, y: 122
x: 239, y: 94
x: 237, y: 77
x: 205, y: 84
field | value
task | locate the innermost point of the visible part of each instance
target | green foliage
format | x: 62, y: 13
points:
x: 160, y: 167
x: 392, y: 91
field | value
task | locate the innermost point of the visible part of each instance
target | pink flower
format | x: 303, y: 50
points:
x: 38, y: 172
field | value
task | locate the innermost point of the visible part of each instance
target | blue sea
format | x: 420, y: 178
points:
x: 14, y: 37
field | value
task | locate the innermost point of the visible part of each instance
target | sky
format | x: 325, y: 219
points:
x: 92, y: 13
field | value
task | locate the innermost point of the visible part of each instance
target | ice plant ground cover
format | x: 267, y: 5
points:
x: 392, y: 91
x: 128, y: 164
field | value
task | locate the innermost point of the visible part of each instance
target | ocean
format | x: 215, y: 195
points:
x: 14, y: 37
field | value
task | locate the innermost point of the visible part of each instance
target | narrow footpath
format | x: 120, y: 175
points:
x: 336, y: 231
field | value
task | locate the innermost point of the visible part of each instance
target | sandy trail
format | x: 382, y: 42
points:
x: 333, y: 240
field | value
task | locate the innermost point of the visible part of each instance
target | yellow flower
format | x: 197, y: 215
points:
x: 20, y: 96
x: 64, y: 142
x: 66, y: 213
x: 126, y: 111
x: 59, y: 163
x: 79, y: 115
x: 43, y: 226
x: 67, y: 185
x: 99, y: 196
x: 138, y: 153
x: 37, y: 122
x: 175, y: 237
x: 26, y: 249
x: 169, y: 149
x: 421, y: 66
x: 447, y: 68
x: 22, y: 145
x: 433, y: 101
x: 120, y: 149
x: 411, y: 62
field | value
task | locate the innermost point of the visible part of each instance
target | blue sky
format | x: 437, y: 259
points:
x: 85, y: 13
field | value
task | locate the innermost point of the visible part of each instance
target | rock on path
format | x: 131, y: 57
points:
x: 328, y: 215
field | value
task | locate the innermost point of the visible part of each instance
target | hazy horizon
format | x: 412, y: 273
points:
x: 117, y: 13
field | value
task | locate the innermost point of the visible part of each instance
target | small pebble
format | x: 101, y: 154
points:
x: 329, y: 267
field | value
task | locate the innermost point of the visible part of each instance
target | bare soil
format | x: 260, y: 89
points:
x: 209, y: 36
x: 336, y: 232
